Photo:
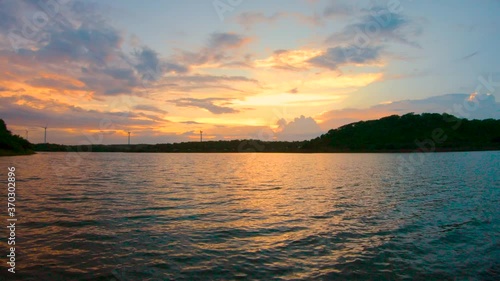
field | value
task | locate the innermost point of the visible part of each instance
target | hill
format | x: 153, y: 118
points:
x: 13, y: 144
x: 425, y: 132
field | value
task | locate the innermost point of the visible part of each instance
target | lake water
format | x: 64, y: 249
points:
x: 125, y: 216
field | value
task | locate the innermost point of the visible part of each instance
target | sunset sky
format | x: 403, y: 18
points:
x: 274, y: 70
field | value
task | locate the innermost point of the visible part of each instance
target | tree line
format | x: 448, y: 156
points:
x: 410, y: 132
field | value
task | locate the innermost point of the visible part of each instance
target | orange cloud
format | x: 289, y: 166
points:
x: 285, y: 59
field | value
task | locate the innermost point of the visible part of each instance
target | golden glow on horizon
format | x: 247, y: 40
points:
x: 257, y: 94
x: 284, y: 99
x: 256, y: 121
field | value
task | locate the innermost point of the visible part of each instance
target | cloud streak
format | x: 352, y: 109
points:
x: 338, y: 56
x: 378, y: 25
x: 208, y: 104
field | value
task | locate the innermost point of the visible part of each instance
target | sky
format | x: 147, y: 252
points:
x: 92, y: 71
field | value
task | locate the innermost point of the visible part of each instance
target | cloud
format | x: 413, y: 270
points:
x: 337, y: 56
x: 56, y: 83
x: 293, y: 91
x: 195, y: 82
x: 202, y: 78
x: 223, y: 40
x: 8, y: 18
x: 125, y: 74
x: 295, y: 60
x: 150, y: 108
x: 485, y: 106
x: 9, y: 90
x: 208, y: 104
x: 172, y: 67
x: 26, y: 110
x: 302, y: 128
x: 26, y: 24
x: 84, y: 44
x: 190, y: 122
x: 331, y: 58
x: 77, y: 43
x: 377, y: 25
x: 85, y: 53
x: 148, y: 65
x: 336, y: 9
x: 67, y: 50
x: 220, y: 49
x: 151, y: 67
x: 249, y: 19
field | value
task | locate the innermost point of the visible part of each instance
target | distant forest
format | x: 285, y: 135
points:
x: 427, y: 132
x: 13, y: 144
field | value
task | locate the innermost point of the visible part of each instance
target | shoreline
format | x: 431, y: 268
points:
x: 290, y: 152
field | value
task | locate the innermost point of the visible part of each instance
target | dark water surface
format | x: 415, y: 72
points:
x: 119, y: 216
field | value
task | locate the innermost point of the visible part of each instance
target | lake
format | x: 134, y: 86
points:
x: 250, y: 216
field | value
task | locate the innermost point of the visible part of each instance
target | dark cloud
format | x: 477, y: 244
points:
x: 175, y: 67
x: 280, y: 52
x: 199, y: 78
x: 220, y: 49
x: 293, y: 91
x: 191, y: 122
x: 150, y: 117
x: 225, y: 40
x: 187, y: 83
x: 29, y: 23
x: 5, y: 89
x: 59, y: 84
x: 125, y: 74
x: 85, y: 44
x: 77, y: 42
x: 8, y: 19
x: 150, y: 108
x: 148, y: 63
x: 337, y: 56
x: 60, y: 115
x: 106, y: 85
x: 377, y: 25
x: 208, y: 104
x: 151, y: 67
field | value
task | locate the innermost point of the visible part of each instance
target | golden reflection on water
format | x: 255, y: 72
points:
x: 275, y: 193
x: 313, y: 211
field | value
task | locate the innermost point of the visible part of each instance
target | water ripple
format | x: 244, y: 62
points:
x: 258, y: 217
